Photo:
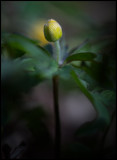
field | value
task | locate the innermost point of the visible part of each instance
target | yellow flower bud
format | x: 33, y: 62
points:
x: 52, y: 31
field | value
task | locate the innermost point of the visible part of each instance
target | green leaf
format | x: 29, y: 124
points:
x: 17, y: 75
x: 64, y: 72
x: 23, y: 44
x: 97, y: 45
x: 85, y: 56
x: 90, y: 128
x: 107, y: 97
x: 98, y: 105
x: 81, y: 86
x: 44, y: 64
x: 78, y: 47
x: 103, y: 113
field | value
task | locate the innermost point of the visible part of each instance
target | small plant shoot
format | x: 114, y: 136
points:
x: 85, y: 70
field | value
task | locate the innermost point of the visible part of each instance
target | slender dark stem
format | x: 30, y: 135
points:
x: 57, y: 119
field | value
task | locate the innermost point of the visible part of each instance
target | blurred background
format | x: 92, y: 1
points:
x: 29, y: 126
x: 79, y: 20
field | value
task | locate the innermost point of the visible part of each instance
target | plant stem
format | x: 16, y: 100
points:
x: 57, y: 119
x: 58, y: 54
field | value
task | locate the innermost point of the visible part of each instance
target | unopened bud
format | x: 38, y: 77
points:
x: 52, y: 31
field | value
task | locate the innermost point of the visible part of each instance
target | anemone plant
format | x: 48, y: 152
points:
x: 23, y: 57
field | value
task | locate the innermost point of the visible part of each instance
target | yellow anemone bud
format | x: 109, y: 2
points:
x: 52, y: 31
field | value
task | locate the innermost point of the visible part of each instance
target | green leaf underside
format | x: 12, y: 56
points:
x: 85, y: 56
x: 100, y: 108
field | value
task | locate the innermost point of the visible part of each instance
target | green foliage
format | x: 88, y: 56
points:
x: 78, y: 47
x: 100, y: 108
x: 37, y: 63
x: 90, y: 128
x: 26, y: 64
x: 17, y: 75
x: 107, y: 98
x: 88, y: 65
x: 100, y: 101
x: 40, y: 60
x: 20, y: 43
x: 87, y: 56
